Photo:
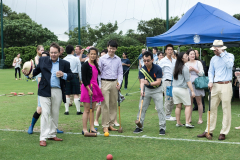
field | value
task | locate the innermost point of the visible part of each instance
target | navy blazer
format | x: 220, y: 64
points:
x: 44, y: 66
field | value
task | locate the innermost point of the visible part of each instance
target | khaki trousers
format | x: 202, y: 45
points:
x: 50, y: 114
x: 109, y: 105
x: 221, y: 92
x: 168, y: 104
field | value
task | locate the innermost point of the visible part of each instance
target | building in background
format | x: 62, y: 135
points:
x: 73, y: 14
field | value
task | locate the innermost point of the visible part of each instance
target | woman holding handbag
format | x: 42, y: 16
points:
x: 17, y: 64
x: 196, y: 70
x: 181, y: 83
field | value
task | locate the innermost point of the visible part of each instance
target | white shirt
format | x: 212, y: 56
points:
x: 167, y: 68
x: 18, y: 61
x: 75, y: 64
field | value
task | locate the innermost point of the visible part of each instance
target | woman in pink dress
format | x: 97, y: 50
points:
x: 90, y: 72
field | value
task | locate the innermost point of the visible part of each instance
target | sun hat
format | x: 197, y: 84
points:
x: 28, y: 67
x: 219, y: 44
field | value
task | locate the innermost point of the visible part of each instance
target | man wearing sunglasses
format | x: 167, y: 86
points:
x: 151, y: 75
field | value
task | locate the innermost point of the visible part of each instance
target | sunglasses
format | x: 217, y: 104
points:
x: 146, y: 60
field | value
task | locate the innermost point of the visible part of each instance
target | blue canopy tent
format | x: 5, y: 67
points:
x: 199, y: 27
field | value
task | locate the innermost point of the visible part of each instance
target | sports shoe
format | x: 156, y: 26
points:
x: 79, y: 113
x: 170, y: 118
x: 116, y: 124
x: 96, y: 124
x: 58, y: 131
x: 137, y: 130
x: 189, y: 126
x: 162, y: 132
x: 180, y: 125
x: 66, y: 113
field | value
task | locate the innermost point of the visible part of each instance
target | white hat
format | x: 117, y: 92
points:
x: 219, y: 44
x: 28, y: 66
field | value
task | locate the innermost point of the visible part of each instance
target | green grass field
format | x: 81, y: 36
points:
x: 178, y: 143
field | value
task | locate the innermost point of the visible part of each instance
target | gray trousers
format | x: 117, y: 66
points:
x: 157, y: 96
x: 168, y: 105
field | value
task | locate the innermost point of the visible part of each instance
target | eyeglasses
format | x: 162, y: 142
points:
x: 53, y: 52
x: 146, y: 60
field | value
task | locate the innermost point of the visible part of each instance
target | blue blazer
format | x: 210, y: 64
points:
x: 44, y: 66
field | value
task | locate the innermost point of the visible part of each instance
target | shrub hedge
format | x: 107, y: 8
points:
x: 29, y: 52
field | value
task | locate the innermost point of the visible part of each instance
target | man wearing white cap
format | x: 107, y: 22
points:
x: 220, y: 84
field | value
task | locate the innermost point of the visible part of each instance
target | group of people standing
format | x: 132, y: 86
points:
x: 180, y: 73
x: 99, y: 79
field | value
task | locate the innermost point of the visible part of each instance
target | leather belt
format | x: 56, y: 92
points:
x: 224, y: 82
x: 108, y: 79
x: 168, y: 80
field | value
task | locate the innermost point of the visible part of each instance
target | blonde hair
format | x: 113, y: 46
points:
x: 39, y: 47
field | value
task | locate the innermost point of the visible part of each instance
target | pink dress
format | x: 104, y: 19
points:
x: 97, y: 93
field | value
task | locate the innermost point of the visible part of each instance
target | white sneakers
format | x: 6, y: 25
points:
x: 170, y: 118
x: 189, y: 126
x: 180, y: 125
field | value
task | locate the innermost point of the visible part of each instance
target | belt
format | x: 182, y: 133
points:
x: 108, y: 79
x: 75, y: 74
x: 224, y: 82
x: 168, y: 80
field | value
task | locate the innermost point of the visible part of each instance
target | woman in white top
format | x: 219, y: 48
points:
x: 196, y: 70
x: 160, y: 56
x: 18, y: 61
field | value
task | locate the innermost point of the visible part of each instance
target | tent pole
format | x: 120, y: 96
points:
x: 200, y: 53
x: 147, y: 48
x: 163, y: 49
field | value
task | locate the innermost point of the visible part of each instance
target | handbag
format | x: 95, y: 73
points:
x: 13, y: 64
x: 201, y: 82
x: 169, y: 90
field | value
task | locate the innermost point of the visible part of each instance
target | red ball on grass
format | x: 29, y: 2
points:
x: 109, y: 157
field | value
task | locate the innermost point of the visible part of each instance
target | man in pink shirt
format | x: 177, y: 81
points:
x: 110, y: 81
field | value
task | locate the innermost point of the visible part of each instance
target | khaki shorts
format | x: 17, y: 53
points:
x: 181, y: 95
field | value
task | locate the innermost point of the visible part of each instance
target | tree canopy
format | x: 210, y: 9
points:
x: 20, y: 30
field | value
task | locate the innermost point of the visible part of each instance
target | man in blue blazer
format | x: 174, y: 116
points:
x: 51, y: 91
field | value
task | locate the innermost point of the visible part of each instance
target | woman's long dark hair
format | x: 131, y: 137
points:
x: 179, y: 65
x: 95, y: 61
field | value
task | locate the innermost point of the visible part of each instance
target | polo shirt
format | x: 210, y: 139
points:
x: 155, y: 73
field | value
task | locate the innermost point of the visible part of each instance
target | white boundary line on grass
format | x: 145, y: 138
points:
x: 143, y: 137
x: 133, y: 92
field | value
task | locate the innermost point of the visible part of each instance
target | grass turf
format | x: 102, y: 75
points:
x: 16, y: 114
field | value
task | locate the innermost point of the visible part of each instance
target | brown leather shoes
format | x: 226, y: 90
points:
x: 112, y: 129
x: 55, y: 139
x: 204, y: 134
x: 105, y: 129
x: 43, y: 143
x: 221, y: 137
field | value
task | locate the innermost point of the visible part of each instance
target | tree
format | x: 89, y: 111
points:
x: 154, y: 27
x: 92, y: 35
x: 20, y: 30
x: 121, y: 40
x: 237, y: 16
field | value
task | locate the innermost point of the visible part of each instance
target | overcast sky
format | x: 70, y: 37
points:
x: 53, y: 14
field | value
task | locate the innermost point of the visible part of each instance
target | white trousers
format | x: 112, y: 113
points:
x: 50, y: 114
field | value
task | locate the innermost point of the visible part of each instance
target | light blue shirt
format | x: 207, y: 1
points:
x: 75, y: 64
x: 55, y: 81
x: 167, y: 67
x: 220, y: 68
x: 155, y: 58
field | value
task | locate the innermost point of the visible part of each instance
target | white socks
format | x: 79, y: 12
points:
x: 77, y: 103
x: 67, y: 104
